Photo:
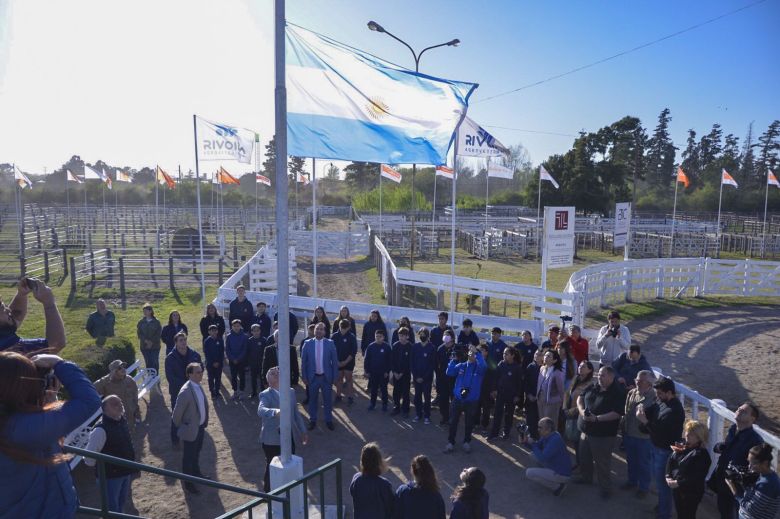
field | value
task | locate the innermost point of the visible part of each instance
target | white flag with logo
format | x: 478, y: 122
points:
x: 223, y: 142
x: 389, y: 173
x: 499, y: 171
x: 475, y: 141
x: 545, y: 175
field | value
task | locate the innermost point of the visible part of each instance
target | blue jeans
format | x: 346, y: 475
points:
x: 638, y: 458
x: 315, y: 385
x: 660, y: 457
x: 118, y: 489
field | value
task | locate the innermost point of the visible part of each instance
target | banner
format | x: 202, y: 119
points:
x: 165, y: 179
x: 475, y: 141
x: 121, y: 176
x: 343, y: 103
x: 262, y: 179
x: 223, y: 142
x: 558, y: 249
x: 72, y: 178
x: 389, y: 173
x: 728, y: 180
x: 682, y: 177
x: 302, y: 179
x: 91, y: 174
x: 771, y: 179
x: 22, y: 180
x: 622, y: 224
x: 545, y: 175
x: 444, y: 171
x: 223, y: 177
x: 499, y: 171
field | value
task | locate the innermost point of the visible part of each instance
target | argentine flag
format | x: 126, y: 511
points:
x: 345, y: 104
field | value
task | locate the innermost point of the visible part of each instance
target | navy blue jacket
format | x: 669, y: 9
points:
x: 242, y: 310
x: 627, y: 370
x: 527, y: 352
x: 265, y: 324
x: 509, y: 379
x: 236, y: 346
x: 293, y: 325
x: 413, y: 502
x: 472, y: 338
x: 437, y: 334
x: 372, y: 497
x: 176, y: 368
x: 214, y: 349
x: 255, y: 349
x: 31, y: 490
x: 402, y: 358
x: 736, y: 448
x: 346, y: 345
x: 496, y: 350
x: 464, y: 510
x: 205, y: 322
x: 394, y: 338
x: 378, y: 359
x: 369, y: 334
x: 169, y: 331
x: 531, y: 379
x: 423, y: 361
x: 468, y: 375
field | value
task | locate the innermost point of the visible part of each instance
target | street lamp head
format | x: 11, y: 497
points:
x: 454, y: 43
x: 372, y: 25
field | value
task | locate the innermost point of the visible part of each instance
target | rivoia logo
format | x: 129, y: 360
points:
x: 224, y: 142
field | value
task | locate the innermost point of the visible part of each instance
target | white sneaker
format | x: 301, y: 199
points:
x: 449, y: 448
x: 466, y: 447
x: 416, y: 418
x: 427, y: 421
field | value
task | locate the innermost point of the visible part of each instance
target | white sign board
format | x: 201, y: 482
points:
x: 558, y: 237
x: 622, y: 222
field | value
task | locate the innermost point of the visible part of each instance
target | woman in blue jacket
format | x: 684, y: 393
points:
x: 170, y: 330
x: 420, y: 498
x: 34, y: 476
x: 470, y: 499
x: 374, y: 323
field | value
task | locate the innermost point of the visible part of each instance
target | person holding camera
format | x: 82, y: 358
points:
x: 687, y: 469
x: 468, y: 371
x: 757, y: 489
x: 613, y: 339
x: 12, y: 316
x: 600, y: 408
x: 550, y: 451
x: 34, y: 474
x: 663, y: 420
x: 740, y: 439
x: 639, y: 448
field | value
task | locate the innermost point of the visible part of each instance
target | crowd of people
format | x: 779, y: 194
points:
x: 563, y: 399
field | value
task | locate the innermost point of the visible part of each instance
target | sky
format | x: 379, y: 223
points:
x: 120, y: 81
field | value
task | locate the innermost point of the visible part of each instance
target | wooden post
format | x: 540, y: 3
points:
x: 235, y: 254
x: 170, y: 274
x: 485, y: 305
x: 72, y: 274
x: 92, y: 264
x: 110, y: 268
x: 221, y: 271
x: 45, y: 266
x: 151, y: 265
x: 22, y: 267
x: 38, y: 237
x: 65, y: 261
x: 122, y: 283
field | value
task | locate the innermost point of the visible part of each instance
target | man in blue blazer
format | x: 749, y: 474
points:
x: 319, y: 369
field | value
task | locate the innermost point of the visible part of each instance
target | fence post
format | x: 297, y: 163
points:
x: 72, y: 274
x: 221, y: 271
x: 92, y: 264
x: 65, y: 261
x: 170, y: 273
x: 151, y: 264
x: 22, y: 244
x: 45, y: 266
x: 122, y: 283
x: 235, y: 255
x: 22, y: 266
x: 38, y: 237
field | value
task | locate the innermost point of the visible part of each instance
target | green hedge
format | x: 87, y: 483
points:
x: 97, y: 358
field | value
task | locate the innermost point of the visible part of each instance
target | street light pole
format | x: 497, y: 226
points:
x: 372, y: 25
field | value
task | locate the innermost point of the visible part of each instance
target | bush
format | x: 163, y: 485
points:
x: 98, y: 358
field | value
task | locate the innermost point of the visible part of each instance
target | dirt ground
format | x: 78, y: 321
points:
x: 728, y: 353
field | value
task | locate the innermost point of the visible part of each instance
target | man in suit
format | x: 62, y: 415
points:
x: 268, y: 410
x: 320, y: 365
x: 191, y: 416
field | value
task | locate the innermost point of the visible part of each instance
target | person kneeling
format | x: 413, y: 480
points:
x: 550, y: 451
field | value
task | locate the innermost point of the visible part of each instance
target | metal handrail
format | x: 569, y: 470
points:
x: 102, y: 459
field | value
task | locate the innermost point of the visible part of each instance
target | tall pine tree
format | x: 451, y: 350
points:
x: 661, y: 152
x: 769, y: 146
x: 748, y: 162
x: 269, y: 164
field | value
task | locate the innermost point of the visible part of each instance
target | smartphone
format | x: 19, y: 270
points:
x: 31, y: 283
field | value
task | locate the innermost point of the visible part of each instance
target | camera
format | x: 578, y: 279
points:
x: 614, y: 331
x: 458, y: 355
x: 588, y: 411
x: 464, y: 392
x: 740, y: 474
x: 522, y: 428
x: 47, y: 375
x: 31, y: 283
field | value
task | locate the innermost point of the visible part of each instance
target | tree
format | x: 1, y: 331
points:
x: 361, y: 176
x: 661, y: 152
x: 269, y: 164
x: 332, y: 172
x: 748, y: 162
x: 295, y: 166
x: 769, y: 146
x: 691, y: 162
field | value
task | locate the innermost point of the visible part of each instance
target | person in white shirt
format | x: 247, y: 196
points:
x: 613, y: 339
x: 191, y: 416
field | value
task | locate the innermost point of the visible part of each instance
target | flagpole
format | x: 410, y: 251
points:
x: 86, y: 219
x: 433, y: 216
x: 674, y: 216
x: 380, y: 201
x: 720, y: 199
x: 67, y: 198
x: 452, y: 221
x: 314, y: 220
x: 487, y: 188
x: 766, y: 199
x: 538, y: 217
x: 17, y: 200
x: 157, y: 207
x: 257, y: 207
x: 200, y: 223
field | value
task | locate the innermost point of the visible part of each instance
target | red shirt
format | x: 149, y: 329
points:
x: 579, y: 349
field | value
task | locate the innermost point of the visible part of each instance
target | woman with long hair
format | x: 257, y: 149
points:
x: 374, y: 323
x: 549, y: 387
x: 470, y: 499
x: 687, y: 469
x: 149, y: 333
x: 170, y: 330
x: 212, y: 317
x: 372, y: 494
x: 403, y: 322
x: 420, y: 498
x: 344, y: 316
x: 581, y: 382
x: 321, y: 317
x: 34, y: 476
x: 568, y: 362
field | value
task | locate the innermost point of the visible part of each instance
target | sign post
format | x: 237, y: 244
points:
x: 621, y: 236
x: 558, y: 250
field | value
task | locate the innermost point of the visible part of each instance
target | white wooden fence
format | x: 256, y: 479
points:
x: 331, y: 244
x: 262, y: 271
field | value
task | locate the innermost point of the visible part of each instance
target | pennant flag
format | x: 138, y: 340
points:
x: 262, y: 179
x: 165, y: 179
x: 500, y: 171
x: 545, y: 175
x: 72, y: 178
x: 303, y: 179
x: 475, y: 141
x: 105, y: 178
x: 771, y: 179
x: 121, y: 176
x: 22, y: 180
x: 727, y: 179
x: 444, y: 171
x: 682, y: 177
x: 389, y: 173
x: 91, y: 174
x: 343, y: 103
x: 223, y: 177
x: 223, y: 142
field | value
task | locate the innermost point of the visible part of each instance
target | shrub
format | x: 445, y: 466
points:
x: 97, y: 358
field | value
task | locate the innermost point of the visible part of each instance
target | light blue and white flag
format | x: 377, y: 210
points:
x: 343, y: 103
